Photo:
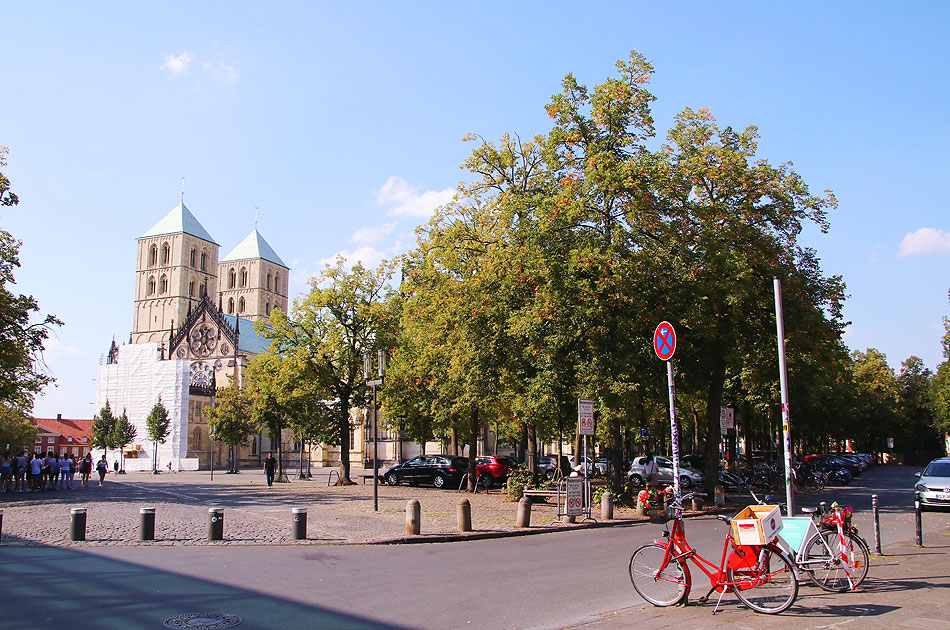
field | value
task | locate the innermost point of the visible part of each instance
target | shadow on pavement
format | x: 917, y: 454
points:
x: 54, y: 588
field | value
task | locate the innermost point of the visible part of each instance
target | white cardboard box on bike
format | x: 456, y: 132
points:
x: 757, y: 525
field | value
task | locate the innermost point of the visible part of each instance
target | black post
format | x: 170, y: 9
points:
x: 77, y: 524
x: 919, y: 541
x: 216, y: 524
x: 877, y: 524
x: 147, y: 523
x: 1, y: 524
x: 375, y: 456
x: 300, y: 523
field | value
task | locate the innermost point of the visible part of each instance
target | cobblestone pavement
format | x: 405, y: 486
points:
x: 254, y: 514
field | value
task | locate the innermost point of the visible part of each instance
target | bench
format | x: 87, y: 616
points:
x: 368, y: 474
x: 542, y: 494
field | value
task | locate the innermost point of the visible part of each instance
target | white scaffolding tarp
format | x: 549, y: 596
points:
x: 134, y: 384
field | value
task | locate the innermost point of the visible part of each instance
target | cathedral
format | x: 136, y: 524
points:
x: 192, y: 331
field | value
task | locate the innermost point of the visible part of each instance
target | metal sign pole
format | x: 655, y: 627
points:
x: 674, y: 430
x: 783, y: 380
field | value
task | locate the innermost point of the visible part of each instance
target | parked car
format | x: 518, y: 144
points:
x: 547, y: 465
x: 493, y: 471
x: 439, y: 470
x: 932, y: 489
x: 598, y: 467
x: 688, y: 476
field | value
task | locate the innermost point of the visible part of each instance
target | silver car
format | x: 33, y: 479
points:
x: 933, y: 485
x: 688, y: 476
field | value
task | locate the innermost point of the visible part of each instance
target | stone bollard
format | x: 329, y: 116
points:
x: 877, y: 524
x: 147, y: 523
x: 216, y: 524
x: 720, y: 496
x: 77, y: 524
x: 299, y: 523
x: 607, y: 506
x: 697, y: 504
x: 464, y: 512
x: 524, y: 513
x: 413, y: 517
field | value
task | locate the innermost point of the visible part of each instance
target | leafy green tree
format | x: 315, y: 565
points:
x: 323, y: 338
x: 103, y: 429
x: 158, y: 426
x: 16, y: 429
x: 122, y: 435
x: 231, y: 420
x: 876, y: 400
x: 940, y: 387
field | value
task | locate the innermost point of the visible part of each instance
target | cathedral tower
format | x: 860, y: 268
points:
x: 253, y: 279
x: 177, y: 264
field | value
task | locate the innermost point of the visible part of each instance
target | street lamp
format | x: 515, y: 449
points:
x: 381, y: 373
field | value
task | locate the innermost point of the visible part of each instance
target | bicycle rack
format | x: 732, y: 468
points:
x: 330, y: 477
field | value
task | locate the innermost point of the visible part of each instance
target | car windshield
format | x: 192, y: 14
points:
x: 938, y: 469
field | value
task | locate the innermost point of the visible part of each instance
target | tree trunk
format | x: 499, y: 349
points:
x: 453, y: 442
x: 713, y: 403
x: 616, y: 454
x: 532, y: 455
x: 343, y: 427
x: 473, y: 448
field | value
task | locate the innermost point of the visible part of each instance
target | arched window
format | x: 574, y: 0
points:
x: 166, y: 254
x: 204, y: 289
x: 191, y: 289
x: 240, y: 305
x: 267, y: 308
x: 268, y: 281
x: 151, y: 286
x: 204, y: 261
x: 243, y: 276
x: 230, y: 306
x: 196, y: 438
x: 153, y: 255
x: 163, y: 284
x: 232, y: 279
x: 194, y: 257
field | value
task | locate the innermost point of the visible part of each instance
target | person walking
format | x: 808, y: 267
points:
x: 102, y: 467
x: 36, y: 472
x: 65, y: 471
x: 270, y: 468
x: 651, y: 472
x: 19, y: 470
x: 6, y: 472
x: 85, y: 469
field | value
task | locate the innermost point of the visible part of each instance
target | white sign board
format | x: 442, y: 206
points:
x: 585, y: 417
x: 574, y: 495
x: 726, y: 419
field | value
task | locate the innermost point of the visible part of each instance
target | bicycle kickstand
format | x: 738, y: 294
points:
x: 705, y: 598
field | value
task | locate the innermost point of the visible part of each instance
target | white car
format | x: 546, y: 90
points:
x: 688, y: 476
x: 599, y: 468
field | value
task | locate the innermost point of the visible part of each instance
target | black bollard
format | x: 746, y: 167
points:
x: 216, y: 524
x: 146, y: 523
x: 919, y: 528
x: 77, y: 524
x: 877, y: 524
x: 300, y: 523
x: 1, y: 523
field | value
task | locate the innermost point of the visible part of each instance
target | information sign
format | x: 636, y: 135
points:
x: 585, y: 417
x: 644, y: 433
x: 574, y: 487
x: 664, y: 341
x: 726, y: 419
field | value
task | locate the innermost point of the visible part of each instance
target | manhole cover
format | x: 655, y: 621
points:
x: 203, y: 620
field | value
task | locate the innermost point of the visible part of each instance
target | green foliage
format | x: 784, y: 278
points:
x: 626, y: 497
x: 16, y: 429
x: 124, y: 432
x: 157, y: 423
x: 521, y: 479
x: 231, y: 419
x: 940, y: 386
x: 103, y: 428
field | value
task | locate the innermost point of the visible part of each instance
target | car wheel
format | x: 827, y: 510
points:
x: 392, y: 479
x: 685, y: 482
x: 636, y: 481
x: 438, y: 481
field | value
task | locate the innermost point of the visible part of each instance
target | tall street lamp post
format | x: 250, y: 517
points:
x: 381, y: 373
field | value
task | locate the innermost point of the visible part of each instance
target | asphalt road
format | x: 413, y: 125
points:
x: 543, y: 581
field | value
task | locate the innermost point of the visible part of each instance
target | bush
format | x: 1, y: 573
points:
x: 626, y: 497
x: 520, y: 479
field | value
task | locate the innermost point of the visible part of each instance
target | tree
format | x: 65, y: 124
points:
x: 123, y: 434
x: 231, y: 419
x: 23, y: 373
x: 940, y: 386
x: 16, y: 429
x: 103, y: 429
x: 158, y: 426
x: 323, y: 339
x: 876, y: 400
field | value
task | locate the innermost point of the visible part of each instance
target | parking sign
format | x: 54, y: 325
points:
x: 574, y: 495
x: 585, y: 417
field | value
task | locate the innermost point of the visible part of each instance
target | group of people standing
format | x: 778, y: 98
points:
x: 33, y: 472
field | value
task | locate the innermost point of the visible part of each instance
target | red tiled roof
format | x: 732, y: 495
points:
x: 66, y: 427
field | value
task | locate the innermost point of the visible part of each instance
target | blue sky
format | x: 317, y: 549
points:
x: 342, y: 123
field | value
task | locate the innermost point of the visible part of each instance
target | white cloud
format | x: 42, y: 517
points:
x: 370, y: 235
x: 406, y: 200
x: 177, y: 65
x: 925, y: 241
x: 55, y: 346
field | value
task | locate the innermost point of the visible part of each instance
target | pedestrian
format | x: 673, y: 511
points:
x: 85, y: 469
x: 65, y: 470
x: 270, y: 467
x: 102, y: 467
x: 651, y: 472
x: 20, y: 470
x: 115, y: 466
x: 36, y: 472
x: 53, y: 470
x: 6, y: 472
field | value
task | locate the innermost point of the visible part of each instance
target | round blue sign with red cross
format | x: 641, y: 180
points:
x: 664, y: 341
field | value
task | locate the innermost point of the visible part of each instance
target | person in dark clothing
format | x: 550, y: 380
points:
x: 270, y: 468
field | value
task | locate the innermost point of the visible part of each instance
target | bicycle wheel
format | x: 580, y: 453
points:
x: 767, y: 587
x: 664, y: 587
x: 824, y: 561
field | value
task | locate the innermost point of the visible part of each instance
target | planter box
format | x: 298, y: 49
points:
x: 757, y: 525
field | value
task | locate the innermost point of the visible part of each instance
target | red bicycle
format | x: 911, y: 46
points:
x: 761, y: 576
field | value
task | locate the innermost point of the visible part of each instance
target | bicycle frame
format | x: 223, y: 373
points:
x: 742, y: 556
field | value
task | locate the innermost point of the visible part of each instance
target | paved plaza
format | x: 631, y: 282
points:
x: 254, y: 513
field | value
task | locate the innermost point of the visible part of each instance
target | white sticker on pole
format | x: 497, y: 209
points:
x: 585, y: 417
x: 727, y: 420
x: 574, y: 487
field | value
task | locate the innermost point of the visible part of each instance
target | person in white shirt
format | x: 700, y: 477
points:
x: 65, y: 471
x: 36, y: 469
x: 651, y: 472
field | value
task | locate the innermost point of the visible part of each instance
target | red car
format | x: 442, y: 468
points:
x: 493, y: 471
